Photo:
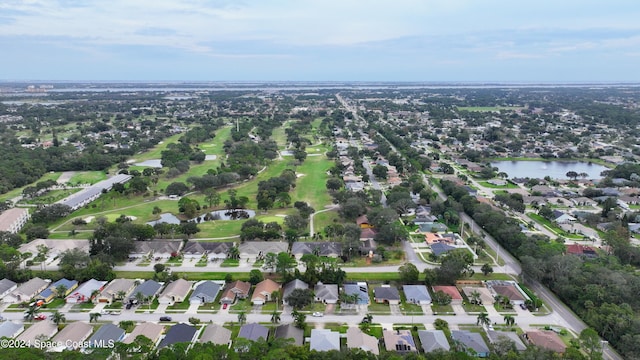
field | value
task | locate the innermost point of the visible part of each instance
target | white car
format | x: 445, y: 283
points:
x: 318, y: 314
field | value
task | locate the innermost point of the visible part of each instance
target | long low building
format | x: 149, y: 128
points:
x: 12, y: 220
x: 87, y: 195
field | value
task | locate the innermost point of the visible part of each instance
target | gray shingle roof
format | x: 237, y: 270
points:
x: 289, y: 331
x: 253, y: 332
x: 106, y: 333
x: 178, y: 333
x: 206, y: 292
x: 416, y: 293
x: 147, y: 288
x: 433, y: 340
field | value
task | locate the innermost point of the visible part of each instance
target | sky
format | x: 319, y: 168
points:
x: 321, y: 40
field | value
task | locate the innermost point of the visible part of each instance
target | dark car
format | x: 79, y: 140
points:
x: 523, y: 306
x: 128, y: 306
x: 165, y: 318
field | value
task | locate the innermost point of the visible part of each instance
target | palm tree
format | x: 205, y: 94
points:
x: 139, y: 297
x: 276, y: 295
x: 58, y: 318
x: 242, y: 317
x: 233, y: 253
x: 483, y: 319
x: 275, y: 317
x: 94, y: 316
x: 61, y: 291
x: 94, y: 294
x: 31, y: 313
x: 475, y: 298
x: 121, y: 294
x: 509, y: 320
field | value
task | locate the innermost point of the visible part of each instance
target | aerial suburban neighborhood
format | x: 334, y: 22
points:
x: 372, y: 221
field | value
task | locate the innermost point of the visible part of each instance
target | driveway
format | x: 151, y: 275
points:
x: 193, y: 308
x: 161, y: 309
x: 458, y: 309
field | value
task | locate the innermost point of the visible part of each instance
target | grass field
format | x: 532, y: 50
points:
x: 322, y: 220
x: 52, y: 196
x: 156, y: 151
x: 311, y: 187
x: 87, y: 177
x: 508, y: 185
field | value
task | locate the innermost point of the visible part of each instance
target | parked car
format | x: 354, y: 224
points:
x: 165, y: 318
x: 40, y: 317
x: 128, y: 306
x: 224, y: 306
x: 318, y: 314
x: 523, y: 306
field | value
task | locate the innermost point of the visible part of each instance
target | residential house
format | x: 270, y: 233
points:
x: 213, y: 250
x: 324, y: 340
x: 472, y: 342
x: 562, y: 218
x: 38, y: 331
x: 356, y: 339
x: 484, y: 295
x: 148, y: 289
x: 263, y: 291
x: 84, y: 292
x: 495, y: 336
x: 56, y: 247
x: 250, y: 250
x: 253, y: 332
x: 289, y: 331
x: 456, y: 298
x: 441, y: 248
x: 237, y: 289
x: 117, y: 289
x: 367, y: 233
x: 583, y: 201
x: 179, y: 333
x: 386, y: 294
x: 509, y: 290
x: 72, y: 336
x: 326, y: 293
x: 162, y: 249
x: 106, y: 335
x: 52, y: 291
x: 10, y: 329
x: 433, y: 340
x: 359, y: 290
x: 216, y: 334
x: 12, y: 220
x: 432, y: 227
x: 175, y: 292
x: 205, y: 292
x: 546, y: 339
x: 417, y: 294
x: 288, y: 288
x: 27, y: 291
x: 363, y: 222
x: 581, y: 250
x: 6, y: 287
x: 151, y: 331
x: 399, y: 341
x: 318, y: 248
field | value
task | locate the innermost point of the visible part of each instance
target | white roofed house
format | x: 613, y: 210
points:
x: 27, y: 291
x: 6, y: 286
x: 38, y: 331
x: 157, y: 248
x: 72, y: 336
x: 12, y: 220
x: 175, y: 291
x: 117, y: 289
x: 10, y: 329
x: 85, y: 291
x: 251, y: 250
x: 326, y: 293
x: 213, y: 250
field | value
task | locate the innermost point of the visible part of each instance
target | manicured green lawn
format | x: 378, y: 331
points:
x: 508, y: 185
x: 324, y: 219
x: 242, y: 305
x: 230, y: 263
x: 442, y: 309
x: 311, y: 187
x: 188, y: 275
x: 156, y: 152
x: 52, y: 196
x: 87, y: 177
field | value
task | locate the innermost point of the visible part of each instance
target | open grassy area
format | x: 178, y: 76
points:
x: 87, y: 177
x: 156, y: 151
x: 311, y: 187
x: 508, y: 185
x: 324, y: 219
x: 52, y: 196
x: 188, y: 275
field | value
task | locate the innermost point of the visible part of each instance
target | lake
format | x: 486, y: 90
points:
x: 553, y: 169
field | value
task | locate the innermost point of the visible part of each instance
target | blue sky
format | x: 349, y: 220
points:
x: 321, y: 40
